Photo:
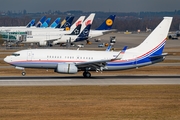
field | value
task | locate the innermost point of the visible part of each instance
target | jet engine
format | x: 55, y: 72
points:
x: 43, y: 43
x: 68, y: 68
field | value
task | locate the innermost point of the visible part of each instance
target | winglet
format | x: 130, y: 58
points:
x: 121, y: 53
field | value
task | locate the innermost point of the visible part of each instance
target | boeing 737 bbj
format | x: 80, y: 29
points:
x: 150, y: 51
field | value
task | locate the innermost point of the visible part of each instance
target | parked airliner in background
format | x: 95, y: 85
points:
x: 150, y: 51
x: 45, y: 36
x: 41, y: 36
x: 83, y: 33
x: 71, y: 38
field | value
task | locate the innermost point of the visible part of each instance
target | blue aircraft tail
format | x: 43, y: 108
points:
x: 107, y: 24
x: 55, y: 23
x: 41, y: 21
x: 84, y: 35
x: 31, y: 23
x: 68, y: 23
x: 63, y: 22
x: 46, y: 23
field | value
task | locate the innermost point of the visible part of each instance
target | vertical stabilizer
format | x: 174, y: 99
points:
x: 155, y: 42
x: 55, y: 23
x: 46, y: 23
x: 31, y: 23
x: 76, y: 31
x: 107, y: 24
x: 78, y: 21
x: 84, y: 34
x: 41, y: 21
x: 67, y: 24
x: 88, y: 20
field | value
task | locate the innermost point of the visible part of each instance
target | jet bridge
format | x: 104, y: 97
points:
x: 14, y: 36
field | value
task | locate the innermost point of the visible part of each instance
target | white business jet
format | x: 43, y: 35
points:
x: 150, y: 51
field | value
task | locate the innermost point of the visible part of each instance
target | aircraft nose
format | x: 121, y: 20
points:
x: 7, y: 59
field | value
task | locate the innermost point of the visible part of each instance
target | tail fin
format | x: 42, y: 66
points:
x: 107, y: 24
x: 76, y: 31
x: 78, y: 21
x: 60, y: 23
x: 41, y: 21
x: 154, y: 44
x: 84, y: 35
x: 68, y: 23
x: 46, y: 23
x: 55, y: 23
x: 31, y: 23
x: 88, y: 21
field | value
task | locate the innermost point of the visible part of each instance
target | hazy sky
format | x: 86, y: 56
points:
x: 90, y: 5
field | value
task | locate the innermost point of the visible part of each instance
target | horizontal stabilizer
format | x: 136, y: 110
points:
x: 159, y: 56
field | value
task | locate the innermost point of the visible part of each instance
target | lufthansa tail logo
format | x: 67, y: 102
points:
x: 109, y: 22
x: 85, y: 32
x: 67, y: 29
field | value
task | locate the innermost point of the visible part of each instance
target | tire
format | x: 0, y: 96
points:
x: 23, y: 73
x: 87, y: 74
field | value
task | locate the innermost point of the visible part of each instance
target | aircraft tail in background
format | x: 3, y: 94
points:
x: 88, y: 21
x: 84, y: 34
x: 107, y: 24
x: 76, y: 31
x: 31, y: 23
x: 40, y: 22
x: 55, y: 23
x: 67, y: 21
x: 46, y: 23
x: 66, y: 26
x: 78, y: 21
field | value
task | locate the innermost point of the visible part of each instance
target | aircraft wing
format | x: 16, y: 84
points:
x: 92, y: 64
x: 97, y: 64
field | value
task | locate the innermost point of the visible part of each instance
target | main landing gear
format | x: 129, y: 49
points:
x: 23, y: 73
x: 86, y: 74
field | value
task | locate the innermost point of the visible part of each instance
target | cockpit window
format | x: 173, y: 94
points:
x: 15, y: 54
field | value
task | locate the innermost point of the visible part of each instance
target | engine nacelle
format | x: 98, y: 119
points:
x: 68, y: 68
x: 43, y: 43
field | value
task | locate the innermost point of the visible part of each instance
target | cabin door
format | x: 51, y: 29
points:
x: 29, y: 55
